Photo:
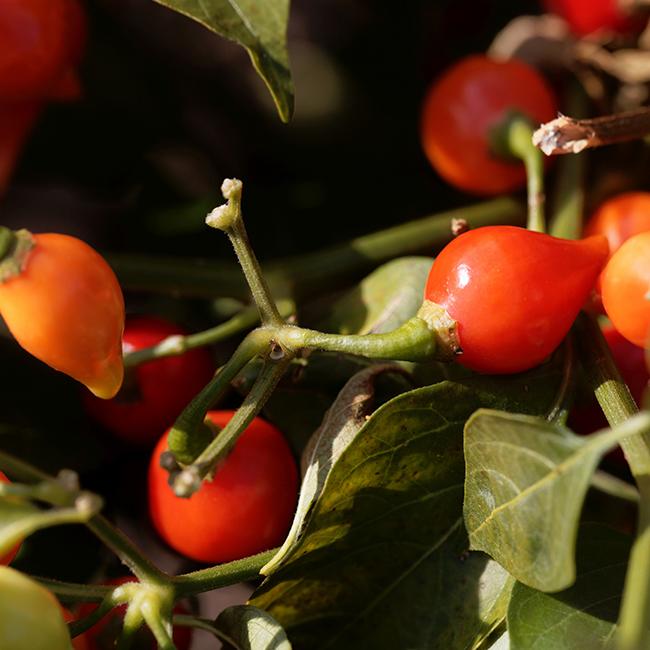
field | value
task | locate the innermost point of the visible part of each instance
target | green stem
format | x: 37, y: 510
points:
x: 634, y: 622
x: 126, y: 550
x: 85, y: 623
x: 222, y: 575
x: 412, y: 341
x: 612, y: 392
x: 70, y: 591
x: 519, y: 139
x: 182, y: 440
x: 228, y: 218
x: 569, y: 194
x: 175, y: 345
x: 162, y: 634
x: 112, y: 537
x: 618, y: 405
x: 306, y: 274
x: 189, y: 480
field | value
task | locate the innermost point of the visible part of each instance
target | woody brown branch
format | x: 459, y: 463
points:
x: 568, y: 135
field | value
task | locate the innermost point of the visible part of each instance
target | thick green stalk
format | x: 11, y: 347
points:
x: 183, y: 441
x: 618, y: 405
x: 189, y: 480
x: 222, y: 575
x: 228, y: 217
x: 519, y: 142
x: 569, y: 194
x: 304, y: 274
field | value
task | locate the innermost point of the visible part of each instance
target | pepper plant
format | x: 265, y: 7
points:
x: 443, y: 500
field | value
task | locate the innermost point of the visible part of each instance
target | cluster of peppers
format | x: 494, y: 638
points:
x: 498, y: 299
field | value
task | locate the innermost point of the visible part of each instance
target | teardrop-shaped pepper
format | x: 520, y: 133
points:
x: 513, y: 293
x: 63, y: 304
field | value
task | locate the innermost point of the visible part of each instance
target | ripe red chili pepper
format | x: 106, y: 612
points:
x: 620, y: 218
x: 63, y: 304
x: 625, y: 284
x: 245, y: 509
x: 159, y: 389
x: 104, y: 633
x: 463, y: 106
x: 42, y: 41
x: 588, y: 16
x: 514, y: 293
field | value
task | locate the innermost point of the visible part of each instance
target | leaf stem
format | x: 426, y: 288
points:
x: 75, y: 592
x: 175, y: 345
x: 111, y: 536
x: 569, y: 194
x: 612, y: 392
x: 228, y: 218
x: 618, y: 405
x: 189, y: 480
x: 182, y: 440
x: 519, y: 142
x: 222, y: 575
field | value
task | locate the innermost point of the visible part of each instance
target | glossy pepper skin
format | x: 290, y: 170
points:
x: 620, y: 218
x: 42, y: 43
x: 625, y: 284
x: 462, y: 107
x: 66, y: 308
x: 245, y: 509
x: 514, y: 293
x: 161, y: 388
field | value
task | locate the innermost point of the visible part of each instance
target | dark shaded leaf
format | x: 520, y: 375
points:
x: 340, y: 425
x: 260, y: 27
x: 383, y: 561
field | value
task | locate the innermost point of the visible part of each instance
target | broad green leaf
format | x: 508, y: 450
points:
x: 382, y: 301
x: 524, y: 489
x: 249, y: 628
x: 383, y: 560
x: 258, y: 25
x: 583, y: 616
x: 340, y: 425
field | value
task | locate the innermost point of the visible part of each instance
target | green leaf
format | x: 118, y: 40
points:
x: 382, y: 301
x: 524, y: 489
x: 260, y: 27
x: 250, y: 628
x: 383, y: 560
x: 583, y: 616
x: 340, y: 425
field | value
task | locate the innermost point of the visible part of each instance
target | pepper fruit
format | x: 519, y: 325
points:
x: 63, y: 304
x: 513, y: 293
